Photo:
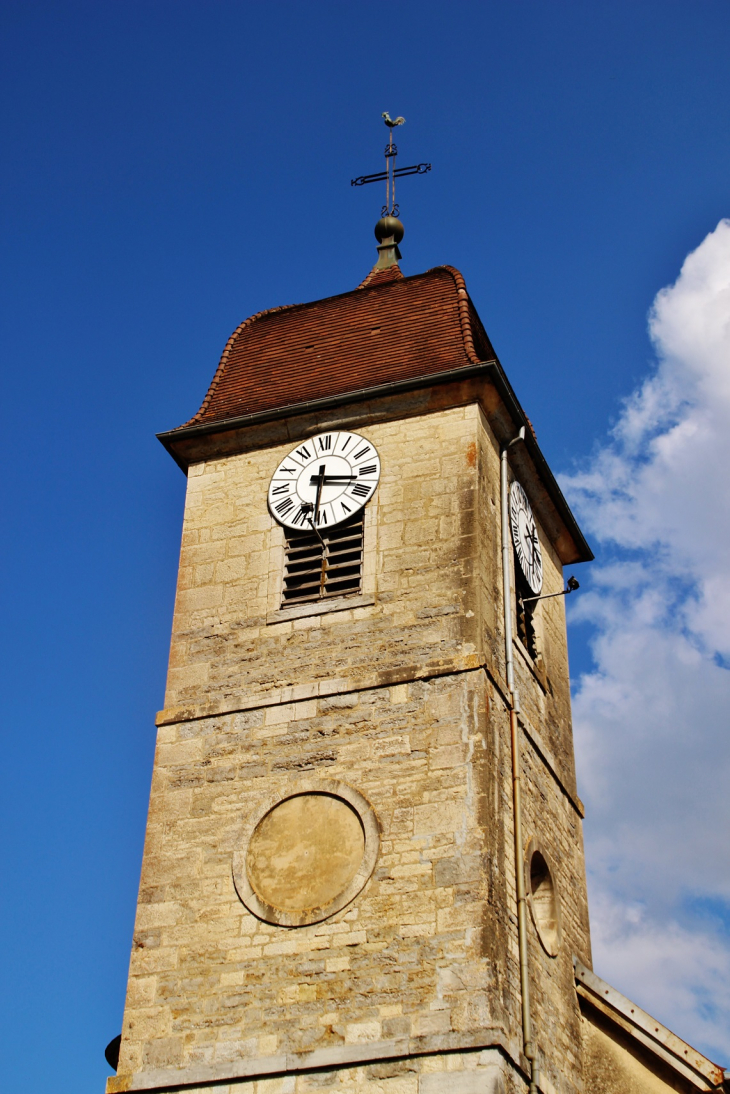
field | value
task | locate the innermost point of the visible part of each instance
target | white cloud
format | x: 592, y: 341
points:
x: 653, y: 719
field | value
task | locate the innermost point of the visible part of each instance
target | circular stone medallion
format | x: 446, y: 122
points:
x: 306, y: 856
x: 305, y: 852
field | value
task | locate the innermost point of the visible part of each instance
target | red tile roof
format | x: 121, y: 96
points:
x: 390, y: 328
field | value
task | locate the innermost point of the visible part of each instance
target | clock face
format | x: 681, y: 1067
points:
x: 524, y: 537
x: 324, y: 480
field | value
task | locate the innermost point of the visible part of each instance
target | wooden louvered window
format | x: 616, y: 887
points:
x: 526, y: 618
x: 316, y: 569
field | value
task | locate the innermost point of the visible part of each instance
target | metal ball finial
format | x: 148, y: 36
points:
x: 389, y: 228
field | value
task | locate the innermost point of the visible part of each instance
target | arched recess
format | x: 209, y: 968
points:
x: 543, y: 897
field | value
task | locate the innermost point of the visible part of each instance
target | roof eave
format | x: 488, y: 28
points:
x: 491, y: 370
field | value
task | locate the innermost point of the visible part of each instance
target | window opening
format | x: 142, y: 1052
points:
x: 526, y: 616
x: 321, y: 566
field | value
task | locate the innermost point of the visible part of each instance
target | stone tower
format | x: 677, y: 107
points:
x: 330, y: 889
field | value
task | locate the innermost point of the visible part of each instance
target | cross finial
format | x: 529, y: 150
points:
x: 391, y: 172
x: 391, y: 151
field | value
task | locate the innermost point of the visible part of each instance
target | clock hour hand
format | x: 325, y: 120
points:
x: 319, y: 479
x: 533, y: 541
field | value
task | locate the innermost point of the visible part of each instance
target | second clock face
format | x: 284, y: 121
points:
x: 524, y: 537
x: 324, y: 480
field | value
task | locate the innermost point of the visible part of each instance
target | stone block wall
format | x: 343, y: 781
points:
x: 420, y: 536
x: 418, y: 953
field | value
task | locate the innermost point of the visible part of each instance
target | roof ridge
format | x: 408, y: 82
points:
x: 226, y: 353
x: 464, y: 300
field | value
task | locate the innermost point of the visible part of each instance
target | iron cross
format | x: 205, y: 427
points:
x: 391, y: 172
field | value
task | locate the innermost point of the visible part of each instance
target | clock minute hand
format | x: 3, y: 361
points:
x: 331, y: 478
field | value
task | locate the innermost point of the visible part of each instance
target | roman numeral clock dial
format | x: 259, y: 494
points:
x: 524, y: 537
x: 324, y: 480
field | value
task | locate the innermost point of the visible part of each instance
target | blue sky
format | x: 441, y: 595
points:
x: 172, y: 167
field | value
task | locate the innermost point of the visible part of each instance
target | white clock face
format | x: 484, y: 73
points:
x: 524, y: 537
x: 324, y: 480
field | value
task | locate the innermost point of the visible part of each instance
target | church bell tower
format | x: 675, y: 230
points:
x: 363, y: 868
